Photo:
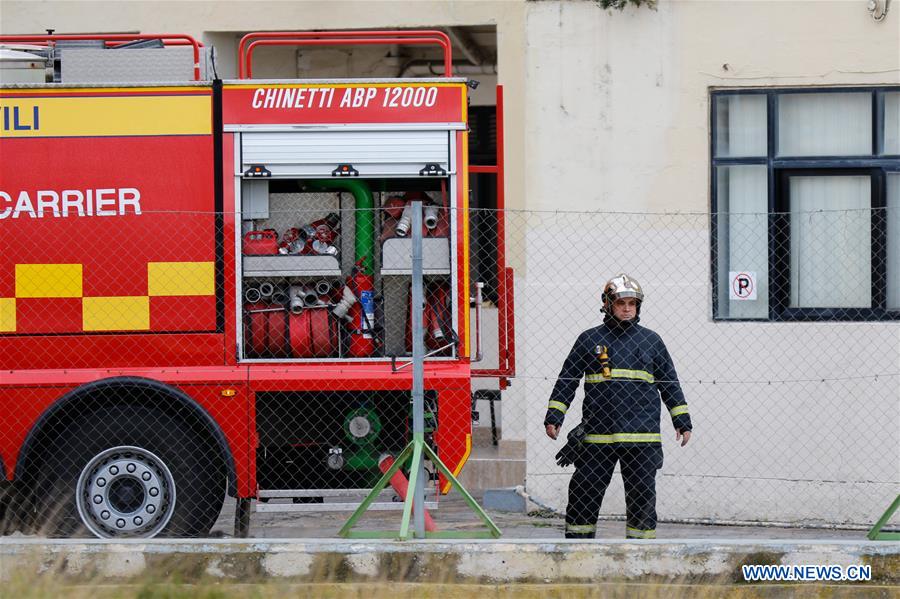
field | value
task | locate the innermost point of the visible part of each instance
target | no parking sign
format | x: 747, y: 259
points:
x: 743, y: 285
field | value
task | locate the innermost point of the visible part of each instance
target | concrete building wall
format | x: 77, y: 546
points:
x: 617, y: 117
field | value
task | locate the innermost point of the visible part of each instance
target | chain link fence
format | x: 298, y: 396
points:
x: 791, y: 377
x: 268, y: 355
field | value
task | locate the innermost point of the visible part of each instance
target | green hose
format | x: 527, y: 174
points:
x: 365, y: 216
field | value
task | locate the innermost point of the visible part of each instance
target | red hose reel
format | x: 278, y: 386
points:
x: 437, y: 318
x: 312, y: 334
x: 272, y: 332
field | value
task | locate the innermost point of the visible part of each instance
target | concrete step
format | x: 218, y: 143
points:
x: 494, y: 467
x: 337, y: 506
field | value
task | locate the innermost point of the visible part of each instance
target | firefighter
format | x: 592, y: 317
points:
x: 626, y: 370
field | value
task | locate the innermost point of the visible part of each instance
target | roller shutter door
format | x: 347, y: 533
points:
x: 372, y: 153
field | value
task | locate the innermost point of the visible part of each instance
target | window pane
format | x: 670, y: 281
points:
x: 892, y: 123
x: 893, y: 241
x: 825, y: 124
x: 743, y: 238
x: 831, y: 242
x: 741, y: 126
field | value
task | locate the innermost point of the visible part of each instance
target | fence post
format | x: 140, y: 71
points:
x: 418, y: 450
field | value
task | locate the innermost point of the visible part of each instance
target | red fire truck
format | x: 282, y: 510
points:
x: 204, y: 285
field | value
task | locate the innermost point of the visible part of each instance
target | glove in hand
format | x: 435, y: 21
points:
x: 572, y: 448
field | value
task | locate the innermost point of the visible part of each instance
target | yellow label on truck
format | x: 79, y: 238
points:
x: 114, y: 115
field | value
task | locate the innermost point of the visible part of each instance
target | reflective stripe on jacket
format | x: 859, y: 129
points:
x: 624, y: 406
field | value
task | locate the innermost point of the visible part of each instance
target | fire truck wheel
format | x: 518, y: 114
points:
x: 130, y: 472
x: 14, y: 510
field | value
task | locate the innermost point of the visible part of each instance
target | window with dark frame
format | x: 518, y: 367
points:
x: 806, y: 204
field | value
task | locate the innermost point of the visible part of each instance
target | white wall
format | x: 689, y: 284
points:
x: 617, y: 120
x: 790, y: 422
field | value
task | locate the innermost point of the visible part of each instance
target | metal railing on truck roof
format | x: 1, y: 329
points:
x: 340, y: 38
x: 116, y: 39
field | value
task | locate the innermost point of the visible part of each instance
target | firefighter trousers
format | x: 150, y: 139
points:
x: 593, y: 472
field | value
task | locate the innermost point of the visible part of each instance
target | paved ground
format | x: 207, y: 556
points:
x: 454, y: 514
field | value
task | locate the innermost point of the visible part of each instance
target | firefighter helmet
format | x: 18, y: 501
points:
x: 620, y: 286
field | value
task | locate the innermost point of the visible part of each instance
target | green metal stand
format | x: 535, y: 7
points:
x: 875, y: 534
x: 416, y: 451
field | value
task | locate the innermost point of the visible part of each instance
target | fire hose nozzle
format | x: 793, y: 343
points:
x: 305, y: 232
x: 323, y: 287
x: 266, y: 290
x: 343, y: 306
x: 324, y: 249
x: 280, y: 297
x: 302, y: 297
x: 405, y: 222
x: 252, y: 295
x: 430, y: 217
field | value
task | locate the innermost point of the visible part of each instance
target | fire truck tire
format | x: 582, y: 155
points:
x: 15, y: 510
x: 129, y: 471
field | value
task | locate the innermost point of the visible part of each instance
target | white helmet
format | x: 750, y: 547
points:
x: 620, y: 286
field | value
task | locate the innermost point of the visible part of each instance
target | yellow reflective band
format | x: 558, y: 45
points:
x: 116, y: 313
x: 581, y: 528
x: 679, y: 410
x: 181, y: 278
x: 624, y: 438
x: 8, y: 315
x: 92, y: 116
x: 641, y: 375
x: 48, y: 280
x: 557, y: 405
x: 464, y: 212
x: 621, y: 373
x: 637, y: 533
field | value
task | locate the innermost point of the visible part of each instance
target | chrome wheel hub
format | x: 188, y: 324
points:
x: 125, y: 492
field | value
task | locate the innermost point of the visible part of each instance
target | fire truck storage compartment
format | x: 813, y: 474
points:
x: 332, y: 439
x: 286, y: 296
x: 396, y: 271
x: 296, y: 196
